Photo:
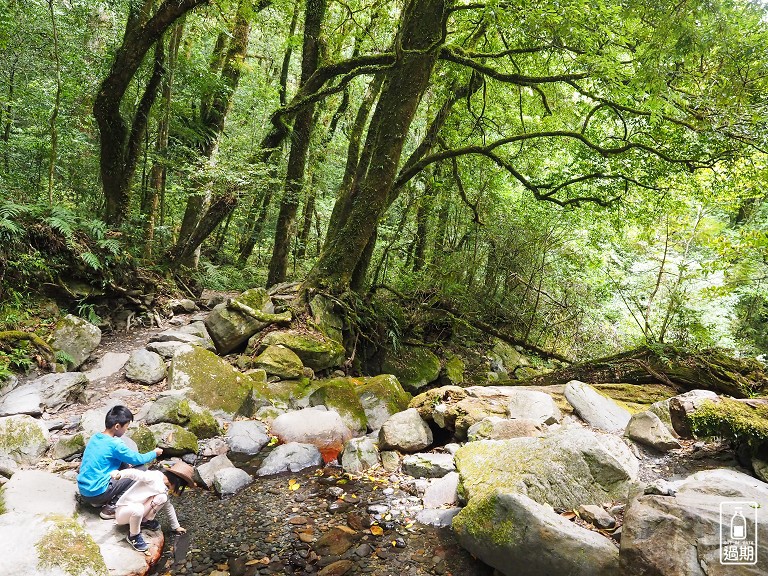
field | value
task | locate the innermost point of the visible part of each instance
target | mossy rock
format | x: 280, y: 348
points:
x: 339, y: 394
x: 414, y: 366
x: 173, y: 439
x: 230, y: 328
x: 68, y: 446
x: 313, y: 348
x: 280, y: 361
x: 509, y: 356
x: 23, y: 438
x: 203, y: 424
x: 68, y: 547
x: 454, y: 370
x: 636, y: 397
x: 143, y: 437
x: 212, y: 381
x: 382, y: 396
x: 742, y: 422
x: 77, y: 338
x: 325, y: 317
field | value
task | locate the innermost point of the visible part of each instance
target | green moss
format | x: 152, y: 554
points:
x: 454, y: 370
x: 635, y: 397
x: 414, y: 366
x: 69, y: 547
x: 254, y: 298
x: 314, y: 349
x: 203, y: 425
x: 480, y: 519
x: 214, y: 383
x: 339, y: 394
x: 731, y: 419
x: 142, y: 435
x: 173, y: 439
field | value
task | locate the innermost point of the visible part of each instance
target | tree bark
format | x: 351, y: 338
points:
x: 710, y: 370
x: 121, y: 137
x: 417, y: 47
x: 300, y: 139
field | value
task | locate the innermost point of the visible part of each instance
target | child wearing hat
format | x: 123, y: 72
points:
x: 139, y: 505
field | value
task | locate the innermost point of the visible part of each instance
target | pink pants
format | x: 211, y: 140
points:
x: 134, y: 513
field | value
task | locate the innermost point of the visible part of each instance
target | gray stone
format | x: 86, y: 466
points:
x: 171, y: 408
x: 761, y: 468
x: 230, y: 328
x: 52, y: 392
x: 359, y: 454
x: 109, y: 364
x: 564, y: 469
x: 390, y: 460
x: 405, y: 431
x: 496, y: 428
x: 681, y: 534
x: 596, y: 516
x: 525, y: 538
x: 145, y: 367
x: 67, y: 447
x: 246, y: 437
x: 428, y: 465
x: 205, y: 473
x: 166, y: 349
x: 280, y: 361
x: 229, y: 481
x: 595, y: 409
x: 23, y: 439
x: 8, y: 466
x: 21, y: 400
x: 647, y: 428
x: 182, y: 338
x: 77, y: 338
x: 322, y: 428
x: 661, y: 409
x: 291, y: 457
x: 381, y: 397
x: 440, y: 518
x: 183, y: 306
x: 442, y: 491
x: 534, y: 405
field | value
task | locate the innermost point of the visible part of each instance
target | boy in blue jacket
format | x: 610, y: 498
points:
x: 105, y: 453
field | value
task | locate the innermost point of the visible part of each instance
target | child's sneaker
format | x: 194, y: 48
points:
x: 150, y: 525
x: 137, y: 542
x: 107, y: 512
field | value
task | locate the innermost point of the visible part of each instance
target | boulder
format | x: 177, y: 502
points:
x: 428, y: 465
x: 322, y: 428
x: 661, y: 409
x: 229, y: 481
x: 414, y: 367
x: 496, y: 428
x: 173, y: 439
x: 520, y: 537
x: 326, y: 317
x: 647, y: 428
x: 682, y: 405
x: 110, y: 363
x: 405, y: 431
x: 145, y: 367
x: 315, y: 350
x: 508, y: 356
x: 77, y: 338
x: 174, y: 408
x: 339, y: 395
x: 23, y: 438
x: 205, y: 473
x: 49, y: 393
x: 23, y: 399
x: 359, y: 455
x: 246, y: 437
x: 229, y: 328
x: 681, y: 534
x: 183, y: 306
x: 381, y: 397
x: 280, y: 361
x: 290, y: 457
x: 564, y: 469
x: 197, y: 369
x: 534, y: 405
x: 442, y: 491
x: 166, y: 349
x: 595, y: 409
x: 596, y: 516
x: 67, y: 447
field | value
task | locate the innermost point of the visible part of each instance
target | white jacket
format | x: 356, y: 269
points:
x: 148, y: 483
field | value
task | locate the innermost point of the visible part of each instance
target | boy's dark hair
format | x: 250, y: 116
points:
x: 118, y: 415
x: 179, y: 485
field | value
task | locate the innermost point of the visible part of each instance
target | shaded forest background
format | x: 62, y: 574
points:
x: 577, y: 178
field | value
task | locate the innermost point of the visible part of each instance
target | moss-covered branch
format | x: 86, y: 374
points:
x: 12, y: 336
x: 282, y: 318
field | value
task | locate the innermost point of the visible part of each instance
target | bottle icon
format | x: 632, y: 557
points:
x: 738, y: 525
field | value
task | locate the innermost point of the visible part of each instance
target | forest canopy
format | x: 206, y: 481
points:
x: 578, y: 177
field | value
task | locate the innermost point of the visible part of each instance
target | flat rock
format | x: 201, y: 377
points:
x: 428, y: 465
x: 442, y: 491
x: 109, y: 364
x: 229, y: 481
x: 290, y: 457
x: 246, y: 437
x: 595, y: 409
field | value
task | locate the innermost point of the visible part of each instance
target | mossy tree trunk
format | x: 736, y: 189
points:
x: 417, y: 47
x: 707, y: 370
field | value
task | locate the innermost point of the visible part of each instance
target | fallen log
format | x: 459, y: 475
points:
x: 712, y: 369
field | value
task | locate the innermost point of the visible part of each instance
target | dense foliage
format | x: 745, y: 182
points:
x: 581, y: 176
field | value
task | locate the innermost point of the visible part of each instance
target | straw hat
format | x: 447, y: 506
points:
x: 183, y: 471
